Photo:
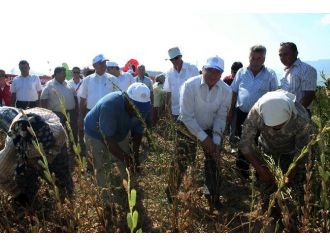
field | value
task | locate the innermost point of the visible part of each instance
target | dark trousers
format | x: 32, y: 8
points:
x: 185, y: 155
x: 27, y: 104
x: 28, y: 182
x: 241, y: 163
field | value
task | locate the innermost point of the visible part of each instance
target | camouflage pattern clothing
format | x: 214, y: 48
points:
x: 282, y: 145
x: 291, y: 138
x: 19, y: 169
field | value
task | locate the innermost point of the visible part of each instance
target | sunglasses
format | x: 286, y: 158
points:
x: 76, y: 72
x: 175, y: 58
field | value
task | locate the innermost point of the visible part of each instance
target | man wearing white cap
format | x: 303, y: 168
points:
x: 284, y: 128
x: 107, y: 127
x: 95, y: 86
x: 174, y: 79
x: 125, y: 79
x: 204, y: 104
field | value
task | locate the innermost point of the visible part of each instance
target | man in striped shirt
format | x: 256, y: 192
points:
x: 300, y: 78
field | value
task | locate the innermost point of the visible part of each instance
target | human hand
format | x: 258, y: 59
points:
x: 265, y: 175
x: 209, y: 146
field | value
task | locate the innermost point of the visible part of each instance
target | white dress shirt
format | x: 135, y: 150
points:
x: 202, y: 108
x: 173, y: 82
x: 75, y: 86
x: 94, y: 87
x: 26, y: 88
x: 124, y: 81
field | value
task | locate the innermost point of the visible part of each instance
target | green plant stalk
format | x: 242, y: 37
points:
x: 280, y: 182
x: 253, y: 196
x: 44, y: 165
x: 132, y: 216
x: 76, y: 147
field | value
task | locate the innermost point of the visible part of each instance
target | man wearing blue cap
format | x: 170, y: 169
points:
x: 107, y: 126
x: 204, y: 104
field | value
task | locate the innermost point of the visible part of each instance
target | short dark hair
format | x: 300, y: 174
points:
x: 58, y: 70
x: 259, y: 49
x: 236, y: 66
x: 291, y: 45
x: 2, y: 72
x: 75, y: 68
x: 160, y: 78
x: 22, y: 62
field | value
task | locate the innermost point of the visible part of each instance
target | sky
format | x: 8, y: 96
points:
x: 50, y: 32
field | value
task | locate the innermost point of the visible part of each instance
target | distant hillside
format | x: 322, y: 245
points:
x: 321, y: 65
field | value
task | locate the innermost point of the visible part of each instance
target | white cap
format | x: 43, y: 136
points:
x: 99, y: 59
x: 140, y: 94
x: 112, y: 64
x: 174, y: 52
x: 215, y: 63
x: 276, y: 107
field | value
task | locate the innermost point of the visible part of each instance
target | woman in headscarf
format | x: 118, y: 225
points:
x: 279, y: 127
x: 19, y: 168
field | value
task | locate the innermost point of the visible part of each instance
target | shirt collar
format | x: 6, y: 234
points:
x: 55, y: 81
x: 295, y: 63
x: 204, y: 83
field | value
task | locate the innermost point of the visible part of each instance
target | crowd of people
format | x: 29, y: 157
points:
x: 109, y: 110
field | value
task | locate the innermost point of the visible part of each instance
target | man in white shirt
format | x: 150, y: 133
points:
x: 95, y: 86
x: 25, y: 89
x: 204, y: 104
x: 174, y: 79
x: 125, y: 79
x: 76, y: 80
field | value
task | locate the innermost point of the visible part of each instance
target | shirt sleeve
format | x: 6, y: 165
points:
x: 167, y: 84
x: 249, y: 131
x: 273, y: 82
x: 38, y: 84
x: 45, y: 93
x: 187, y: 112
x: 82, y: 92
x: 235, y: 83
x: 13, y: 87
x: 219, y: 124
x: 194, y: 71
x: 309, y: 79
x: 150, y: 84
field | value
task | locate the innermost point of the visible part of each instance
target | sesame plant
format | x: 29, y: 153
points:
x: 132, y: 215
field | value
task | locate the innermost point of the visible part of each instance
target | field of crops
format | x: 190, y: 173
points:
x: 242, y: 210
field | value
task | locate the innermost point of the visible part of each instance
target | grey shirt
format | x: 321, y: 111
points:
x: 54, y: 90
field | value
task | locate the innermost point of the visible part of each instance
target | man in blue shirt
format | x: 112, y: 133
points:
x: 249, y: 85
x: 107, y: 126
